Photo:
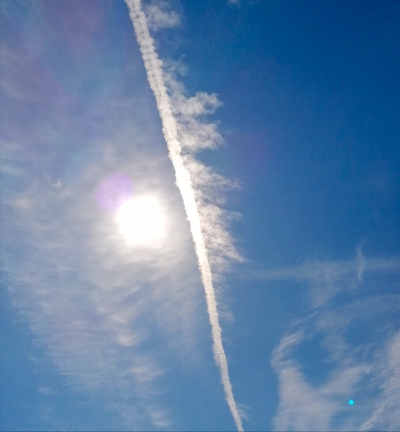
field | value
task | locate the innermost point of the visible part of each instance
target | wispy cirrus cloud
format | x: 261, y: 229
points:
x: 350, y: 335
x: 302, y: 406
x: 93, y: 302
x: 197, y: 133
x: 160, y: 15
x: 113, y: 319
x: 386, y: 413
x: 328, y: 278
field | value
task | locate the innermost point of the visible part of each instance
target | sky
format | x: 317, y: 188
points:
x: 200, y: 215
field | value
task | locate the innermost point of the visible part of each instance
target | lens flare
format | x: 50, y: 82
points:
x: 141, y: 221
x: 114, y: 191
x: 351, y: 402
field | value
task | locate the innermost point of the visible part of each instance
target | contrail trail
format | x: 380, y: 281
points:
x: 153, y: 66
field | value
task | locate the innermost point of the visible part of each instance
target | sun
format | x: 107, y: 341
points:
x: 141, y: 221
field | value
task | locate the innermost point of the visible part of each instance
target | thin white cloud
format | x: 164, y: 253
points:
x: 48, y: 391
x: 303, y: 406
x: 361, y: 265
x: 362, y: 365
x: 160, y: 16
x: 327, y: 278
x: 47, y: 178
x: 340, y: 270
x: 386, y: 413
x: 172, y: 128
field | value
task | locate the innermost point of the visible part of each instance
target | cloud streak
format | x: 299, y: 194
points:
x: 153, y: 66
x: 328, y: 278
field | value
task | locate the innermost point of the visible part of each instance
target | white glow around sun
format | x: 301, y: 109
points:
x: 141, y: 221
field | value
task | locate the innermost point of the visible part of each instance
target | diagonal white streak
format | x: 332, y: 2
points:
x: 153, y: 66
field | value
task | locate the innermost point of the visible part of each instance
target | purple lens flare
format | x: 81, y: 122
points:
x: 113, y: 191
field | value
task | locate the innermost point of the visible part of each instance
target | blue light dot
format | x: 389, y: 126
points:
x: 351, y: 402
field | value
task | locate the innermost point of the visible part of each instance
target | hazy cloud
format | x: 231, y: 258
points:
x: 112, y: 318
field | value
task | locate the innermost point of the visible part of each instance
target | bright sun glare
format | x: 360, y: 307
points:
x: 141, y: 221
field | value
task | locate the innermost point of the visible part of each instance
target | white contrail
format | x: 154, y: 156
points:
x: 154, y: 70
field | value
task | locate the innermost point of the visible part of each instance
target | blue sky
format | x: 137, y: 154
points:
x: 208, y: 242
